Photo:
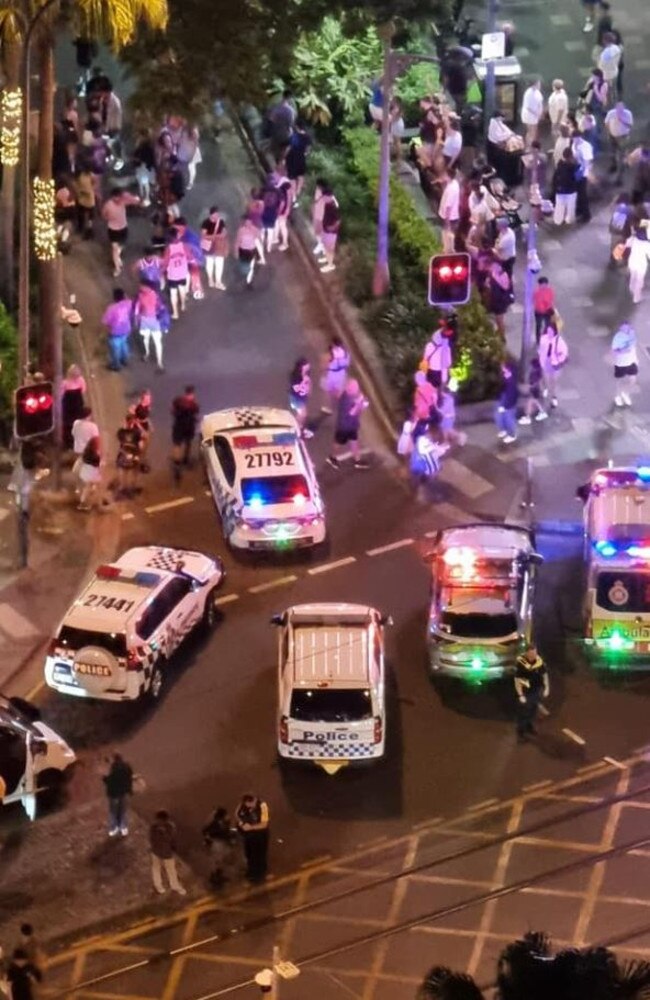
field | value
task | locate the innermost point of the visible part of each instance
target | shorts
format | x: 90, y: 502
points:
x: 177, y: 282
x: 344, y: 437
x: 625, y: 371
x: 126, y: 460
x: 182, y: 437
x: 434, y: 377
x: 149, y: 324
x: 328, y: 240
x: 246, y: 256
x: 118, y: 235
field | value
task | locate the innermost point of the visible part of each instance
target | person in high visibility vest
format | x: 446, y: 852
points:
x: 531, y: 686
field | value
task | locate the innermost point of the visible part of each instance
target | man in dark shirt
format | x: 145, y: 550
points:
x: 531, y: 685
x: 22, y: 976
x: 185, y: 415
x: 118, y: 782
x: 351, y: 405
x: 129, y: 438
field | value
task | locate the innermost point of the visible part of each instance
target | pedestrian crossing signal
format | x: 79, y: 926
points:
x: 449, y: 279
x: 33, y: 410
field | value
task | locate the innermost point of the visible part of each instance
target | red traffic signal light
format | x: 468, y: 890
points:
x: 450, y: 277
x: 34, y: 410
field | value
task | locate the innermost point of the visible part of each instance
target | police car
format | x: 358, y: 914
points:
x: 262, y: 479
x: 115, y: 641
x: 331, y: 687
x: 33, y: 758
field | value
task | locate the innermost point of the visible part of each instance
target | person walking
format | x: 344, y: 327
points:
x: 330, y: 228
x: 90, y: 474
x: 565, y: 188
x: 252, y: 819
x: 553, y: 354
x: 317, y: 209
x: 531, y: 686
x: 146, y: 313
x: 118, y: 785
x: 350, y: 406
x: 162, y: 842
x: 447, y: 416
x: 73, y: 390
x: 176, y: 268
x: 449, y: 210
x: 533, y: 405
x: 30, y: 944
x: 626, y: 363
x: 618, y: 123
x: 215, y: 246
x: 296, y: 158
x: 609, y: 62
x: 285, y: 194
x: 270, y: 209
x: 506, y: 410
x: 425, y: 401
x: 185, y: 416
x: 23, y: 977
x: 118, y: 319
x: 584, y: 156
x: 114, y: 215
x: 83, y: 429
x: 543, y: 304
x: 85, y: 199
x: 637, y: 262
x: 218, y: 838
x: 149, y: 267
x: 424, y: 462
x: 248, y: 247
x: 558, y: 107
x: 299, y: 393
x: 437, y: 355
x: 335, y: 373
x: 532, y: 110
x: 142, y: 413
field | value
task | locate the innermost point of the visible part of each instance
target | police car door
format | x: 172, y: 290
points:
x: 222, y: 469
x: 184, y: 611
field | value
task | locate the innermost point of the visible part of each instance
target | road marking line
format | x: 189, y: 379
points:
x: 615, y: 763
x: 326, y: 567
x: 316, y: 861
x: 574, y: 736
x: 425, y: 824
x: 261, y: 587
x: 169, y: 504
x: 390, y: 548
x: 208, y: 493
x: 537, y: 784
x: 226, y: 599
x: 482, y: 805
x: 598, y: 766
x: 128, y: 516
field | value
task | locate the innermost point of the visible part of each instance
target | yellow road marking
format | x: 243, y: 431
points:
x: 280, y: 582
x: 169, y: 504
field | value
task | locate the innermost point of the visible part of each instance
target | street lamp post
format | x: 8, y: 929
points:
x: 489, y: 103
x: 395, y: 63
x: 29, y: 26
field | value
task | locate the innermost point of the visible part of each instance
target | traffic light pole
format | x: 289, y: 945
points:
x: 489, y: 101
x: 58, y: 380
x: 528, y: 328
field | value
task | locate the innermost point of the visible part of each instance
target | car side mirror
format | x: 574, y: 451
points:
x: 277, y: 619
x: 386, y: 620
x: 536, y: 559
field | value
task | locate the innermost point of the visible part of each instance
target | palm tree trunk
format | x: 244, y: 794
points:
x: 48, y: 286
x: 11, y: 67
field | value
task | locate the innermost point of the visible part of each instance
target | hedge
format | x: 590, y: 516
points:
x: 401, y: 323
x: 8, y: 372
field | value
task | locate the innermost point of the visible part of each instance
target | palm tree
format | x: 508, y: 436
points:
x: 113, y: 21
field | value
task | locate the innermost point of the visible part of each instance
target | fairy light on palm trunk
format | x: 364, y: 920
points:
x: 43, y: 219
x: 11, y: 109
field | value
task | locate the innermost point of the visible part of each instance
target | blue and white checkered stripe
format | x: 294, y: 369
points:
x: 331, y: 751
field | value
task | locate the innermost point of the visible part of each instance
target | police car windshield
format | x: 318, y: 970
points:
x: 75, y: 639
x: 265, y: 491
x: 331, y: 705
x: 623, y: 592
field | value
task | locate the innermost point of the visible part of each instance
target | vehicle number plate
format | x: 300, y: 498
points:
x: 93, y: 669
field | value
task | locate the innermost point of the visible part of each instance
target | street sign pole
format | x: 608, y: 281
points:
x: 489, y: 102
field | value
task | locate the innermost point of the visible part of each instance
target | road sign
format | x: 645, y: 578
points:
x: 493, y: 45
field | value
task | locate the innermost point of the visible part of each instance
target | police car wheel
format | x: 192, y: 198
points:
x: 157, y: 683
x: 209, y: 612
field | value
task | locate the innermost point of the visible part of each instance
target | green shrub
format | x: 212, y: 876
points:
x: 9, y: 370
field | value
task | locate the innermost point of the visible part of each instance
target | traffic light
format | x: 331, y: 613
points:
x: 34, y: 410
x: 449, y: 279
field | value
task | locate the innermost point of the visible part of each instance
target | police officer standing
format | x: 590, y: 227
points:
x: 531, y: 685
x: 252, y: 817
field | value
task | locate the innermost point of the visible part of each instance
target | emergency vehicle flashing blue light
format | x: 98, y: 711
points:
x: 147, y: 579
x: 605, y: 549
x: 643, y: 472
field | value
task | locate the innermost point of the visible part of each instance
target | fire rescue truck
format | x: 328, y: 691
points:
x: 617, y: 550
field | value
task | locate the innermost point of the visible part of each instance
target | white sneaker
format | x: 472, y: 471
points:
x: 307, y: 433
x: 626, y: 398
x: 327, y: 267
x: 554, y: 402
x: 509, y: 438
x: 618, y: 401
x: 542, y: 415
x: 180, y: 890
x: 318, y: 250
x: 588, y: 26
x: 159, y: 889
x: 502, y: 434
x: 524, y: 421
x: 114, y: 832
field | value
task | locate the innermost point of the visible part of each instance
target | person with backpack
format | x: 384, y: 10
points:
x: 176, y: 268
x: 331, y: 225
x: 436, y: 359
x: 553, y: 353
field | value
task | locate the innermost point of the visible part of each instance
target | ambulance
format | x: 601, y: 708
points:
x: 482, y: 594
x: 617, y: 555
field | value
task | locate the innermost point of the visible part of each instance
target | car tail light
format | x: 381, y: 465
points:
x: 284, y: 729
x: 378, y: 733
x: 134, y: 658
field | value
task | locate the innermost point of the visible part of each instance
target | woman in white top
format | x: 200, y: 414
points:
x: 637, y: 262
x: 532, y: 110
x: 335, y: 372
x: 626, y: 363
x: 558, y: 107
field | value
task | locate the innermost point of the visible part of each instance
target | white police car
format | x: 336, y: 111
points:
x: 262, y: 479
x: 115, y: 641
x: 331, y: 687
